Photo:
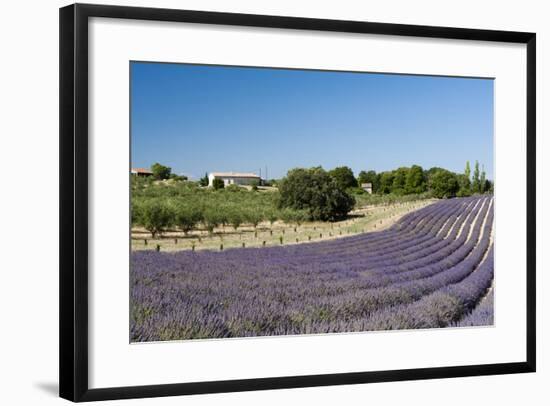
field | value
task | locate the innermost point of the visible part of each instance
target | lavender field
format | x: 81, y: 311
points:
x: 432, y: 269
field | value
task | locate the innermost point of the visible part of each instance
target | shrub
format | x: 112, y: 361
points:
x: 316, y: 192
x: 218, y: 184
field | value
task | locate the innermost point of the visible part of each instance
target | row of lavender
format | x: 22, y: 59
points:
x: 431, y: 269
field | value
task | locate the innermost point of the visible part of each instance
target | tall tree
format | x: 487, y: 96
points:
x: 476, y: 185
x: 464, y: 181
x: 204, y: 180
x: 482, y: 180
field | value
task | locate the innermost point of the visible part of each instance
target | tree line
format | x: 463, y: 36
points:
x: 305, y: 194
x: 440, y: 182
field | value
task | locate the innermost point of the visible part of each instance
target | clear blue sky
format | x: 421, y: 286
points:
x: 199, y: 119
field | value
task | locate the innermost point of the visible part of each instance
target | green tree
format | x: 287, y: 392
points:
x: 463, y: 191
x: 272, y: 215
x: 415, y: 181
x: 136, y: 212
x: 444, y: 184
x: 211, y: 219
x: 187, y: 216
x: 160, y: 171
x: 218, y: 184
x: 253, y: 216
x: 399, y: 180
x: 476, y: 183
x: 156, y: 216
x: 316, y: 192
x: 467, y: 171
x: 204, y: 180
x: 482, y: 180
x: 489, y: 186
x: 464, y: 182
x: 235, y: 217
x: 344, y: 177
x: 386, y: 182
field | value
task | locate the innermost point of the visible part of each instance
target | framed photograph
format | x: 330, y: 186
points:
x: 257, y: 202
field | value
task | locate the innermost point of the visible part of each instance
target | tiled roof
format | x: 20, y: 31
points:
x: 141, y: 170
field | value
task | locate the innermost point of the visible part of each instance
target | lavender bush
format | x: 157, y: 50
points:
x: 433, y: 268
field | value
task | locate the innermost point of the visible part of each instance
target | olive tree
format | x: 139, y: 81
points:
x: 156, y: 216
x: 187, y: 216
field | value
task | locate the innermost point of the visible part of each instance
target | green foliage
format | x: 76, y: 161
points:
x: 161, y: 172
x: 233, y: 188
x: 179, y: 178
x: 218, y: 184
x: 399, y: 179
x: 464, y: 186
x: 187, y: 216
x: 294, y: 216
x: 235, y: 217
x: 253, y: 216
x: 467, y: 174
x: 464, y: 182
x: 316, y: 192
x: 482, y: 181
x: 272, y: 215
x: 444, y: 184
x: 415, y: 181
x: 156, y: 215
x: 370, y: 177
x: 211, y: 218
x: 204, y: 180
x: 344, y: 177
x: 386, y: 182
x: 489, y: 186
x: 476, y: 182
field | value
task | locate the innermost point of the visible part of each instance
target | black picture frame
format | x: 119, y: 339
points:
x: 73, y: 277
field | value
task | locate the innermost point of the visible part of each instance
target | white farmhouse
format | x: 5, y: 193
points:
x: 234, y: 178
